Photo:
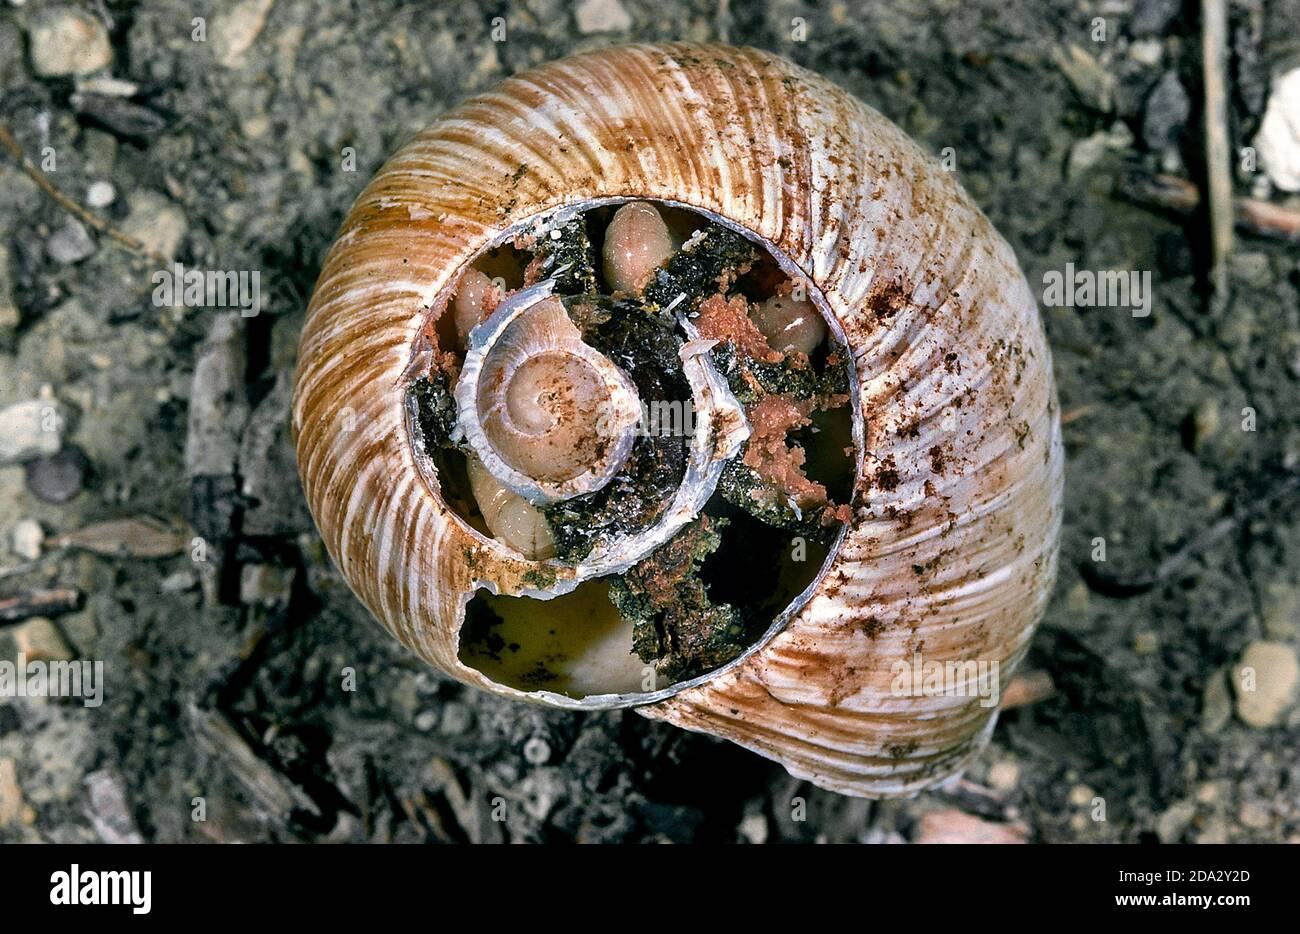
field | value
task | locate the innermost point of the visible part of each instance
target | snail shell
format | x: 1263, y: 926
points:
x: 951, y: 548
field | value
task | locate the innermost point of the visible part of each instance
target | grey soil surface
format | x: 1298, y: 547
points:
x: 224, y: 694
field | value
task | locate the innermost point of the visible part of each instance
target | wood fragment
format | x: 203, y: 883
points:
x: 1026, y: 688
x: 44, y: 184
x: 1179, y: 196
x: 39, y: 603
x: 1277, y: 492
x: 26, y: 567
x: 269, y: 789
x: 1218, y: 157
x: 974, y: 798
x: 126, y: 538
x: 950, y: 825
x: 1076, y: 413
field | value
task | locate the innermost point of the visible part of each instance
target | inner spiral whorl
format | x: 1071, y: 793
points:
x: 549, y: 424
x: 552, y: 410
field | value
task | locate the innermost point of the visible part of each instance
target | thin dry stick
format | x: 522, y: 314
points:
x: 1214, y: 54
x: 1169, y: 193
x: 1026, y: 688
x: 131, y: 243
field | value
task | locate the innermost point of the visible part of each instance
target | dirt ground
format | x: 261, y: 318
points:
x: 222, y: 696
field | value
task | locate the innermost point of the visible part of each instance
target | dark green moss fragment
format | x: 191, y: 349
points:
x: 794, y: 376
x: 673, y: 620
x: 633, y: 500
x: 630, y: 503
x: 569, y: 245
x: 741, y: 486
x: 543, y: 578
x: 435, y: 410
x: 705, y: 266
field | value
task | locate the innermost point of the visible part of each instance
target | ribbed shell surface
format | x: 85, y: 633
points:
x: 951, y: 550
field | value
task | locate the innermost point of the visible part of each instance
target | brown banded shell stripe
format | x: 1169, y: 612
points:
x: 952, y: 546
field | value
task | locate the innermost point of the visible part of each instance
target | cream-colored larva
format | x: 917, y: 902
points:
x: 882, y: 676
x: 511, y: 518
x: 637, y: 242
x: 473, y: 294
x: 790, y: 323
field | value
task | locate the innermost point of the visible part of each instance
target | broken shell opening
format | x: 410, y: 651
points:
x: 653, y: 413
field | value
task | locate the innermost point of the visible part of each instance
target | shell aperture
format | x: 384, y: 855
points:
x: 606, y: 434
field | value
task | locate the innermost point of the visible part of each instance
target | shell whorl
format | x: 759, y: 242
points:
x: 951, y: 550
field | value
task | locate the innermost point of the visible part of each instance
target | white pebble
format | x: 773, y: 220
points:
x: 28, y: 430
x: 1278, y: 140
x: 602, y: 16
x: 1265, y: 681
x: 100, y: 194
x: 66, y: 41
x: 28, y: 538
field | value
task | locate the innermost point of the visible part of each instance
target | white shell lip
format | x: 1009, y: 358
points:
x: 537, y: 224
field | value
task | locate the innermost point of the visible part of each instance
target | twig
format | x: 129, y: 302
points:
x: 1218, y: 171
x: 104, y: 227
x: 1028, y: 688
x: 27, y: 567
x: 274, y: 793
x: 1074, y: 414
x: 1169, y: 193
x: 39, y: 603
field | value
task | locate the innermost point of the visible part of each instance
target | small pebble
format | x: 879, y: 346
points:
x: 1204, y: 423
x: 28, y: 538
x: 953, y: 826
x: 39, y: 640
x: 1166, y: 114
x: 178, y: 582
x: 1278, y: 140
x: 1216, y: 703
x: 265, y: 585
x: 71, y: 243
x: 236, y: 28
x: 57, y: 477
x: 1144, y: 643
x: 13, y: 808
x: 29, y: 429
x: 1208, y: 792
x: 537, y: 751
x: 155, y: 222
x: 1254, y: 815
x: 426, y: 720
x: 602, y: 16
x: 1146, y: 51
x: 753, y: 828
x: 426, y: 683
x: 109, y: 812
x: 1281, y: 611
x: 1004, y: 775
x: 456, y: 719
x: 100, y: 194
x: 1081, y: 795
x: 1174, y: 821
x: 1265, y: 682
x: 67, y: 41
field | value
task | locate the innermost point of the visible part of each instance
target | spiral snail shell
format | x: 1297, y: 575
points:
x: 873, y: 472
